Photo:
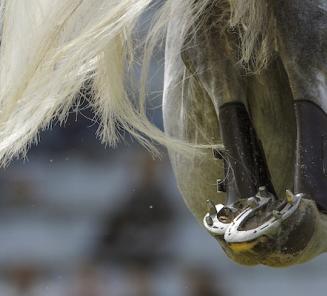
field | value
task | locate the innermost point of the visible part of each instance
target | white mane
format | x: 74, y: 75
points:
x: 51, y: 48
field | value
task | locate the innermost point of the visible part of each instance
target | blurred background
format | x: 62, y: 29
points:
x: 77, y: 219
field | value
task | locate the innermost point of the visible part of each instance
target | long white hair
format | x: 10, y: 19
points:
x: 50, y: 49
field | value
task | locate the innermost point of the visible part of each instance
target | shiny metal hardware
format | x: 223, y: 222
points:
x: 228, y: 220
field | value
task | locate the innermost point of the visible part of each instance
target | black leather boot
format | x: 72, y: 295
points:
x: 243, y: 151
x: 311, y: 152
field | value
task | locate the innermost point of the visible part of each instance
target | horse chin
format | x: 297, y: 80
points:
x: 299, y: 238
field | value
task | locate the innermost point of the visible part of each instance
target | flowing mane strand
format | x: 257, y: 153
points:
x: 51, y: 48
